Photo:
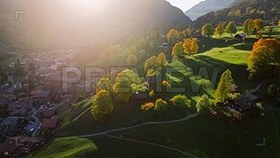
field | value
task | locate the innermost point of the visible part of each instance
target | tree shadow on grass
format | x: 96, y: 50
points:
x: 193, y: 81
x: 239, y: 72
x: 247, y: 46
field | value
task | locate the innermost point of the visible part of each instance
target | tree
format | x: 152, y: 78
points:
x: 177, y: 50
x: 126, y: 84
x: 148, y: 106
x: 237, y: 12
x: 173, y: 35
x: 248, y: 10
x: 203, y: 105
x: 151, y: 63
x: 279, y: 23
x: 207, y: 30
x: 219, y: 29
x: 104, y: 84
x: 190, y: 46
x: 264, y: 61
x: 102, y: 106
x: 259, y: 24
x: 131, y: 59
x: 224, y: 87
x: 248, y: 26
x: 160, y: 105
x: 187, y: 32
x: 231, y: 28
x: 181, y: 102
x: 161, y: 60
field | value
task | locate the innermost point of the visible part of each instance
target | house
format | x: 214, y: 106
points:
x: 240, y: 36
x: 47, y: 112
x: 12, y: 126
x: 19, y: 146
x: 4, y: 102
x: 246, y: 105
x: 19, y: 108
x: 32, y: 126
x: 41, y: 96
x: 140, y: 96
x: 8, y: 148
x: 50, y: 123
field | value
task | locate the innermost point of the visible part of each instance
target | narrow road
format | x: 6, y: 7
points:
x: 107, y: 133
x: 132, y: 127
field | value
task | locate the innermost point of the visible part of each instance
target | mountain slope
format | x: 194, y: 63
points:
x: 207, y: 6
x: 242, y: 10
x: 58, y: 24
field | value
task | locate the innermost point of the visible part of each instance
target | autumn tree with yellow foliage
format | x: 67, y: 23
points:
x: 259, y: 24
x: 219, y: 30
x: 190, y: 46
x: 161, y: 60
x: 173, y: 36
x: 102, y: 106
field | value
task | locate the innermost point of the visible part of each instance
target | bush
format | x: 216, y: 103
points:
x: 203, y: 105
x: 152, y: 93
x: 160, y: 105
x: 181, y: 102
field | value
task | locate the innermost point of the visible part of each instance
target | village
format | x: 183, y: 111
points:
x: 30, y: 94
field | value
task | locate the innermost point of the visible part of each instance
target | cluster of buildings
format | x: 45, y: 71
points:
x: 29, y: 103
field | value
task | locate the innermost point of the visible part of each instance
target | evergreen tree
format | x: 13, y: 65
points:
x: 224, y: 87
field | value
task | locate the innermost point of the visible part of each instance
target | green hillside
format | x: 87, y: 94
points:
x: 72, y: 147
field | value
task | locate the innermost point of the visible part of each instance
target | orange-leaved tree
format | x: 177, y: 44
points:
x: 264, y: 61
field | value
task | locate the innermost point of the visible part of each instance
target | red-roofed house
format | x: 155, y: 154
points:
x: 50, y: 123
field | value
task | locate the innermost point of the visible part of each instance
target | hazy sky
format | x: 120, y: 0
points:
x: 184, y: 5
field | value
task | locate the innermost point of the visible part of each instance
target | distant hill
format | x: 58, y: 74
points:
x: 55, y: 23
x: 241, y: 10
x: 207, y: 6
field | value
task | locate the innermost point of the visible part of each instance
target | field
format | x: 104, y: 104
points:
x: 201, y: 137
x: 67, y: 148
x: 198, y: 137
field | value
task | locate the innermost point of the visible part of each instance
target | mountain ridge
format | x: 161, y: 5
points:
x: 207, y: 6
